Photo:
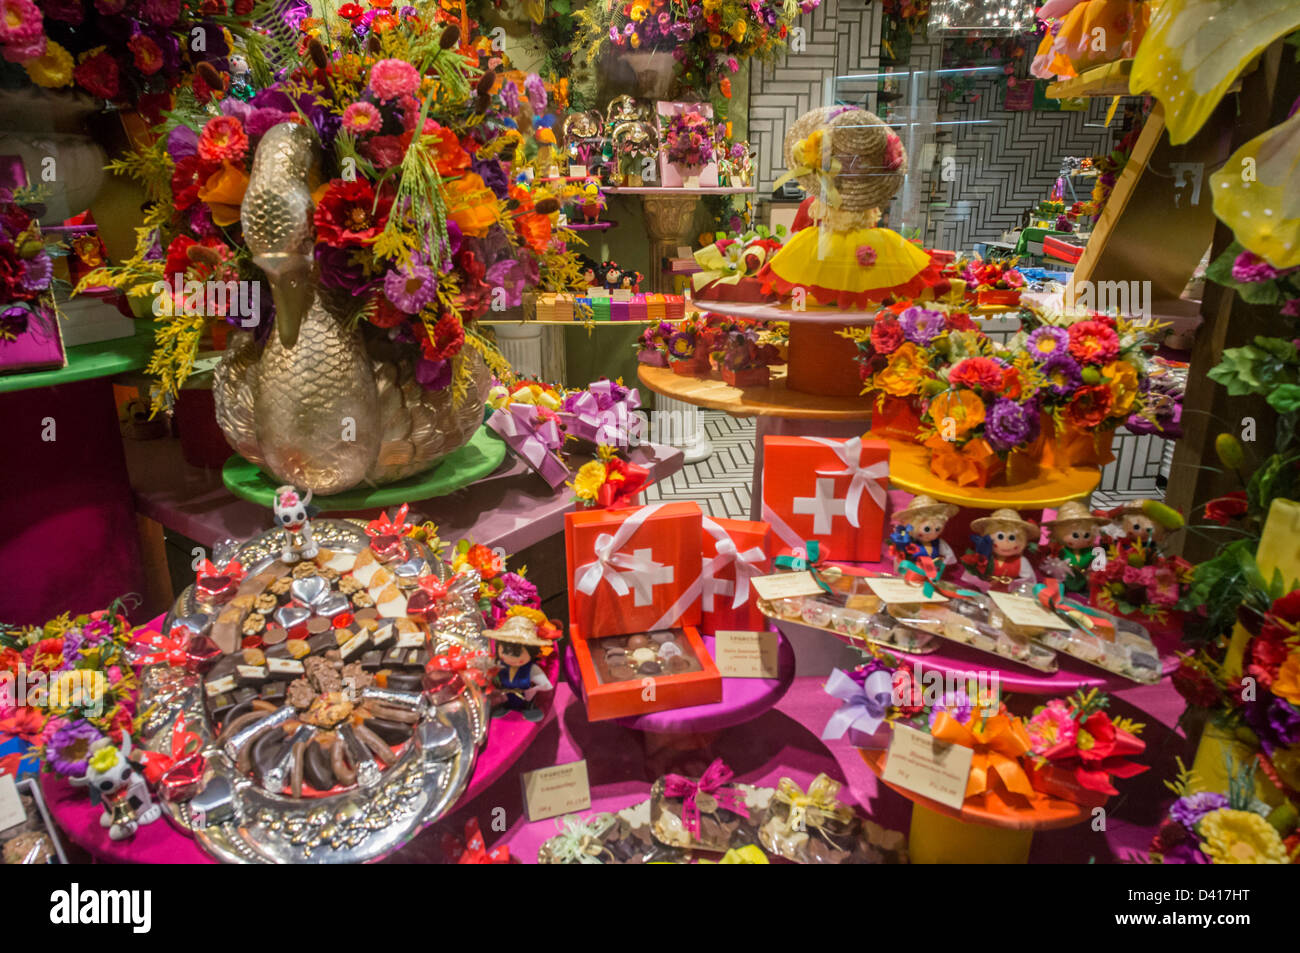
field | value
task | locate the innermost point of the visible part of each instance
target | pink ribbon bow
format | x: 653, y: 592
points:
x: 711, y: 783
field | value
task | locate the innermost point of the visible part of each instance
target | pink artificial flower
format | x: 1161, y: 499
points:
x: 866, y: 256
x: 893, y: 157
x: 392, y: 78
x: 1052, y: 732
x: 362, y: 118
x: 20, y: 23
x: 1291, y: 308
x: 24, y: 52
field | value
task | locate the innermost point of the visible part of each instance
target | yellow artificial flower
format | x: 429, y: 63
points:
x: 738, y: 30
x: 535, y: 616
x: 905, y: 373
x: 1287, y: 683
x: 51, y: 69
x: 1240, y: 837
x: 1122, y: 379
x: 808, y: 152
x: 715, y: 41
x: 634, y: 40
x: 590, y: 478
x: 639, y: 12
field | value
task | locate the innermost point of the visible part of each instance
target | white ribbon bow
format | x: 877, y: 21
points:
x: 864, y: 478
x: 609, y: 561
x: 746, y: 563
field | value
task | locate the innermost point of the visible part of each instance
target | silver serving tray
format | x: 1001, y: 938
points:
x: 366, y: 822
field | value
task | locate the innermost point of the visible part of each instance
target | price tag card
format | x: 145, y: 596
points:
x: 596, y: 292
x: 621, y: 294
x: 894, y: 590
x: 746, y: 654
x: 1021, y: 610
x: 12, y: 812
x: 684, y: 251
x: 561, y: 789
x: 578, y: 171
x: 786, y: 585
x: 923, y: 765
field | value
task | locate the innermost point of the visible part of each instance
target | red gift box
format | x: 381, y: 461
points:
x: 734, y: 552
x: 826, y: 489
x: 629, y: 699
x: 634, y: 570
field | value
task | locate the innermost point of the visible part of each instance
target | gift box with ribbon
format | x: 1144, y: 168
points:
x: 828, y: 489
x: 634, y: 570
x: 533, y: 435
x: 735, y: 551
x: 615, y: 670
x: 602, y: 414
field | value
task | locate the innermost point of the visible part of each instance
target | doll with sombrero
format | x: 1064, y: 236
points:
x: 1074, y: 533
x: 917, y: 533
x: 997, y: 561
x: 519, y: 642
x: 851, y: 163
x: 1139, y: 529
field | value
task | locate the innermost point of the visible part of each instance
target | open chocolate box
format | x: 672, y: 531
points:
x: 618, y: 669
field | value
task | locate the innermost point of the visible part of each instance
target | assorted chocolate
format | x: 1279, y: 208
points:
x: 622, y: 658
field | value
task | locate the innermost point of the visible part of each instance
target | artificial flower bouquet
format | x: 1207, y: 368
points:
x: 79, y: 688
x: 743, y: 357
x: 1213, y: 827
x: 426, y: 216
x: 736, y: 165
x: 729, y: 264
x: 29, y: 331
x: 1077, y: 749
x: 1140, y: 582
x: 690, y: 345
x: 609, y: 481
x: 993, y: 283
x: 652, y: 344
x: 688, y: 139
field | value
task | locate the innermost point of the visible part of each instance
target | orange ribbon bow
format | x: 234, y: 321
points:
x: 999, y: 743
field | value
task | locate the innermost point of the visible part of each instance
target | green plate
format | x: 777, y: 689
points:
x: 470, y: 463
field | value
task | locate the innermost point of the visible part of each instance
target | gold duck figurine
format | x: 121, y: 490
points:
x: 314, y: 405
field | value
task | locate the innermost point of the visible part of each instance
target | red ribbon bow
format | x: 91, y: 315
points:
x: 622, y: 483
x: 390, y: 527
x: 1049, y: 594
x: 476, y: 852
x: 185, y: 745
x: 471, y: 665
x: 170, y: 648
x: 929, y: 571
x: 711, y: 782
x: 233, y: 569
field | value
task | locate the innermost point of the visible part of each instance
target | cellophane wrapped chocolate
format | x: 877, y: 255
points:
x: 27, y: 842
x: 814, y: 827
x: 605, y: 838
x: 705, y: 813
x: 851, y: 610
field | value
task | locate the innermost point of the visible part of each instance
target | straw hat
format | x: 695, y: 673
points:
x: 872, y: 161
x: 984, y: 525
x: 1075, y: 511
x: 924, y: 507
x: 518, y: 630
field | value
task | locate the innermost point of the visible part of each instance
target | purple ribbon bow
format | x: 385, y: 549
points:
x: 865, y: 706
x: 711, y: 783
x: 533, y: 437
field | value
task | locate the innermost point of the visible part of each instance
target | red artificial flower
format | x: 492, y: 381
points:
x: 905, y: 687
x: 146, y: 54
x: 1090, y: 406
x: 1011, y: 383
x: 1168, y: 836
x: 1265, y: 654
x: 384, y: 152
x: 958, y: 321
x: 535, y: 230
x: 1287, y: 609
x: 213, y: 8
x: 351, y: 11
x: 178, y: 259
x: 386, y: 314
x: 451, y: 159
x: 1195, y: 686
x: 1226, y: 508
x: 348, y: 213
x: 1092, y: 342
x: 10, y: 659
x: 724, y: 85
x: 886, y: 336
x: 202, y: 91
x: 243, y: 8
x: 447, y: 340
x: 978, y: 373
x: 187, y: 178
x: 223, y: 140
x: 99, y: 75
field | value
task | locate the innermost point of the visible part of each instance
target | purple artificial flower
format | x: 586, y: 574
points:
x: 1062, y: 373
x: 413, y: 288
x: 493, y: 176
x: 433, y: 375
x: 69, y: 748
x: 1046, y: 342
x: 1275, y: 722
x: 508, y: 275
x: 97, y: 630
x: 201, y: 221
x: 13, y: 322
x: 340, y: 270
x: 510, y: 97
x: 536, y: 90
x: 1250, y: 268
x: 957, y: 704
x: 518, y: 591
x: 613, y: 34
x: 1189, y: 810
x: 261, y: 121
x: 1010, y: 424
x: 36, y: 272
x: 73, y: 640
x: 921, y: 326
x: 182, y: 142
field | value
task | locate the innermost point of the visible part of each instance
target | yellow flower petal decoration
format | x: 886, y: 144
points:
x: 1264, y: 211
x: 1194, y: 49
x: 52, y: 69
x: 1240, y: 837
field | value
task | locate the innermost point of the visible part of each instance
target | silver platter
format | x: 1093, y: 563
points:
x: 378, y: 814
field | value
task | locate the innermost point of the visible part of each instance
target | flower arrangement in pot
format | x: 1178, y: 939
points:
x: 688, y: 348
x: 994, y: 283
x: 744, y: 357
x: 652, y: 345
x: 424, y: 218
x: 688, y: 142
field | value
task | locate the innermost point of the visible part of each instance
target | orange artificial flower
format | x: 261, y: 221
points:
x: 223, y: 193
x: 471, y: 204
x: 962, y: 407
x: 535, y: 230
x: 451, y: 160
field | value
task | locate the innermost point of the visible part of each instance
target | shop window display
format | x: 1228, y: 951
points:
x: 365, y: 578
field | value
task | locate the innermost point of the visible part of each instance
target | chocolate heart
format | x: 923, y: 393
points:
x: 388, y: 547
x: 331, y: 604
x: 292, y: 615
x: 422, y: 606
x: 309, y: 590
x: 201, y: 653
x: 215, y: 589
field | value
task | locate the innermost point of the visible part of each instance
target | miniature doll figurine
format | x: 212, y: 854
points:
x: 999, y: 562
x: 121, y: 788
x: 1075, y: 532
x: 292, y: 513
x: 611, y: 275
x: 1137, y: 527
x: 520, y: 678
x: 917, y: 532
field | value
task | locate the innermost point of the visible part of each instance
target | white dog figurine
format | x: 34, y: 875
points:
x: 292, y: 514
x: 120, y: 786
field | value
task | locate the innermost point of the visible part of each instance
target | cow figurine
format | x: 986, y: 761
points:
x: 292, y: 514
x: 111, y: 775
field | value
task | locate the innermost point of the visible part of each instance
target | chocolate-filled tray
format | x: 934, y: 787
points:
x: 325, y: 739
